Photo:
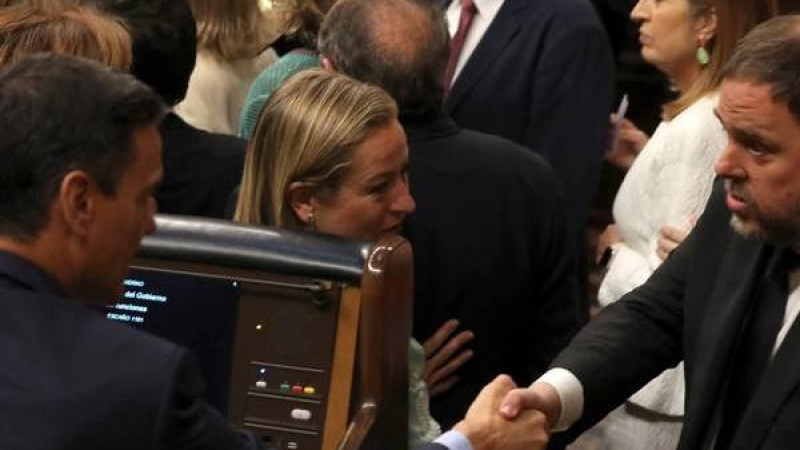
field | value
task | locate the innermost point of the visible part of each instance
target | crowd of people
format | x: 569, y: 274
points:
x: 476, y: 129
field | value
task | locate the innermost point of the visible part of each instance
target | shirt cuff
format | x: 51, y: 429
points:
x: 454, y: 440
x: 570, y: 392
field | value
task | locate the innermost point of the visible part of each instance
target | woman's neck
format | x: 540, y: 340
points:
x: 684, y: 78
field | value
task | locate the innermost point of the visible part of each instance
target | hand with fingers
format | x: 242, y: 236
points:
x: 444, y: 355
x: 538, y: 396
x: 671, y: 238
x: 486, y: 429
x: 630, y: 141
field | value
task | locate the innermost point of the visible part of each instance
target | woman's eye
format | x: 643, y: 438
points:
x: 379, y: 188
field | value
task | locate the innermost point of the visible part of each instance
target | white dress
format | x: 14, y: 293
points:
x: 217, y: 90
x: 668, y: 184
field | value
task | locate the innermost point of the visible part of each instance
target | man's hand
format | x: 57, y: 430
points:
x: 486, y: 429
x: 440, y: 363
x: 539, y: 397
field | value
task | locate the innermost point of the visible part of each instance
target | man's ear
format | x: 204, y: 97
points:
x: 77, y: 197
x: 328, y: 64
x: 301, y: 199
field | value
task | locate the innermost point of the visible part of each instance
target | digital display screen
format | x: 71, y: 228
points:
x: 196, y: 312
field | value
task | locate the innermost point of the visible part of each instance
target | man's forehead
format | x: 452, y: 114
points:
x: 743, y: 90
x: 748, y: 101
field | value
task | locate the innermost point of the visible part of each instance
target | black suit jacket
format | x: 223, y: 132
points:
x: 543, y: 76
x: 72, y: 380
x: 491, y: 249
x: 693, y: 308
x: 201, y: 169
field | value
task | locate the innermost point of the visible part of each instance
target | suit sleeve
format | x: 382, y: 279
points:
x: 189, y: 422
x: 570, y: 105
x: 634, y: 339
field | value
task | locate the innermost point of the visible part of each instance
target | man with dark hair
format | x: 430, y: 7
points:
x: 726, y: 301
x: 201, y: 169
x: 81, y: 162
x: 492, y: 247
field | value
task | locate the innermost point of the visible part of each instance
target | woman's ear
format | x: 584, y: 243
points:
x: 328, y: 64
x: 301, y: 199
x: 707, y: 25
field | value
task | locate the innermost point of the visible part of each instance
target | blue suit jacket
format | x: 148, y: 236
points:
x: 73, y: 380
x: 543, y: 76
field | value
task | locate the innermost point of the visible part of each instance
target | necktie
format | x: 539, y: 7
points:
x: 755, y: 349
x: 468, y: 11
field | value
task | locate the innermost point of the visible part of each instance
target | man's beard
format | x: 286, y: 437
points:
x: 758, y: 226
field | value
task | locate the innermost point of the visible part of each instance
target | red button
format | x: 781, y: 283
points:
x: 297, y: 389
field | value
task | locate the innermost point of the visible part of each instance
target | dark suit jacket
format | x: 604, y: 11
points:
x: 72, y: 380
x: 201, y: 169
x: 491, y: 249
x: 693, y: 308
x: 543, y: 76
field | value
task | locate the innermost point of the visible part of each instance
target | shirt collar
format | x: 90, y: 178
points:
x: 484, y: 7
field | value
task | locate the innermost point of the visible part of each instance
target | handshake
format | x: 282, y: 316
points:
x: 503, y: 417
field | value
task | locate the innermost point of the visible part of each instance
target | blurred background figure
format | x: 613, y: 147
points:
x: 233, y: 38
x: 299, y: 22
x: 201, y: 169
x: 63, y: 29
x: 668, y: 185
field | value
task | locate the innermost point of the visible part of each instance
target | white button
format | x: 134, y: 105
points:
x: 261, y: 384
x: 301, y: 414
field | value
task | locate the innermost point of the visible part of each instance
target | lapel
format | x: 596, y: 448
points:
x: 780, y: 379
x: 505, y: 26
x: 723, y: 319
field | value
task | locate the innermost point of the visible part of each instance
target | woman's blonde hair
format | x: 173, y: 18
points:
x: 734, y: 21
x: 231, y: 29
x: 64, y: 29
x: 306, y: 133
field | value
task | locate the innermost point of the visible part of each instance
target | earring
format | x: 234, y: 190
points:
x: 311, y: 221
x: 701, y: 54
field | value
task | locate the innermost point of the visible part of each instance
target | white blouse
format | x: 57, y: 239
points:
x: 668, y: 184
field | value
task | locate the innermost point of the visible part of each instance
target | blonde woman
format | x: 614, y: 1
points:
x: 329, y: 155
x: 233, y: 39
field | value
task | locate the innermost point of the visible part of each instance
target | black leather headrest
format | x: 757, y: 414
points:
x: 278, y: 250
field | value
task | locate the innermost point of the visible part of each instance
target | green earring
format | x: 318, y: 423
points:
x: 702, y: 56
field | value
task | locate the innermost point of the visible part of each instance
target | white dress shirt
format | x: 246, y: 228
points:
x: 487, y: 10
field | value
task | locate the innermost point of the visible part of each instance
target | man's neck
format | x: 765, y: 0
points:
x: 54, y: 264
